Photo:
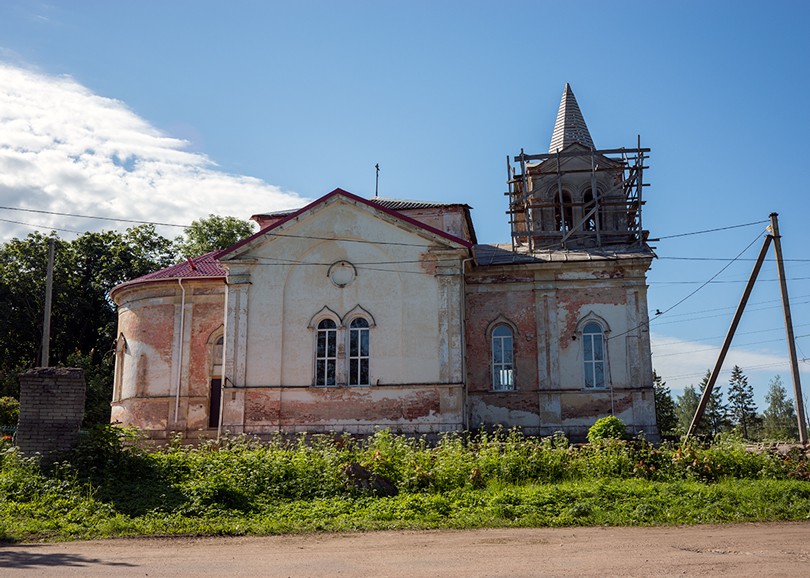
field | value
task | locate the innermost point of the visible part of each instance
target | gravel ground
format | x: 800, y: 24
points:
x: 774, y: 549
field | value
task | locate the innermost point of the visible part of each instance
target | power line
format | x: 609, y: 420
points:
x: 712, y: 278
x: 721, y: 259
x: 40, y: 226
x: 718, y: 347
x: 728, y: 371
x: 664, y: 344
x: 725, y: 281
x: 714, y: 309
x: 140, y: 222
x: 692, y: 319
x: 117, y: 219
x: 711, y: 230
x: 361, y: 266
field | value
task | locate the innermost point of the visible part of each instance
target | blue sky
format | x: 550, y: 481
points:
x: 170, y: 110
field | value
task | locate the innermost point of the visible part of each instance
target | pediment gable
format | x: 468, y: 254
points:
x: 573, y: 157
x: 336, y: 216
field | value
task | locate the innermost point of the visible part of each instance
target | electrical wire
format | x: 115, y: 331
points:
x: 713, y: 277
x: 718, y: 347
x: 710, y: 230
x: 728, y: 371
x: 140, y: 222
x: 778, y: 301
x: 726, y: 281
x: 669, y: 258
x: 116, y: 219
x: 690, y: 295
x: 40, y: 226
x: 663, y: 344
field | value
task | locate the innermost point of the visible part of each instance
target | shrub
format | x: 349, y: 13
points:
x: 607, y: 428
x: 9, y: 411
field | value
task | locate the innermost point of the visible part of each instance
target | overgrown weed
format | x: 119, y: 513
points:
x: 112, y: 486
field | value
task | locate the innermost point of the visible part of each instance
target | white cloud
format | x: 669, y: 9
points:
x: 65, y: 149
x: 681, y: 363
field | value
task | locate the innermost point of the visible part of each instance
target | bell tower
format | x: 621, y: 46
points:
x: 576, y: 197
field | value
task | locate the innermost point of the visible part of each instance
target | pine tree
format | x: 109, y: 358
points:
x: 715, y: 417
x: 665, y: 414
x: 741, y: 406
x: 779, y: 418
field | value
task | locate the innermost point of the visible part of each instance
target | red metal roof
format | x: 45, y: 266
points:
x: 203, y: 266
x: 388, y: 203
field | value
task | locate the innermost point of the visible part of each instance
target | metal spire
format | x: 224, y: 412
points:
x: 570, y: 126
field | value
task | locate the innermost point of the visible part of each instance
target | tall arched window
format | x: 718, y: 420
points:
x: 358, y: 352
x: 503, y: 374
x: 120, y: 357
x: 593, y: 338
x: 589, y: 204
x: 215, y: 384
x: 326, y: 353
x: 564, y: 215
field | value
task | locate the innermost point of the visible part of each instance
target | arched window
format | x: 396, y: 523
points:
x: 120, y: 357
x: 215, y: 392
x: 503, y: 374
x: 593, y: 343
x: 326, y: 353
x: 589, y: 204
x: 216, y: 356
x: 358, y: 352
x: 564, y: 215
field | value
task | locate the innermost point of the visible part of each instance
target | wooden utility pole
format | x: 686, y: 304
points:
x: 794, y: 364
x: 46, y: 321
x: 707, y: 392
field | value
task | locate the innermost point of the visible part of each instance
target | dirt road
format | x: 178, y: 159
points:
x: 738, y: 550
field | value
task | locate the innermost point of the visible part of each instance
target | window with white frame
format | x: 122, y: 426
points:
x: 358, y: 352
x: 503, y: 374
x: 326, y: 353
x: 593, y: 344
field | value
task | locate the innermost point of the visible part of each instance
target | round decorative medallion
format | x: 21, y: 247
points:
x: 342, y: 273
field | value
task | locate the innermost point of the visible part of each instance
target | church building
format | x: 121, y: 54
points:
x: 354, y: 314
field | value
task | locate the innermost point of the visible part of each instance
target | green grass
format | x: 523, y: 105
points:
x: 108, y: 489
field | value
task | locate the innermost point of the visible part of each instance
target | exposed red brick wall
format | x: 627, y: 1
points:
x: 516, y: 306
x: 205, y: 319
x: 291, y: 407
x: 154, y: 325
x: 573, y: 302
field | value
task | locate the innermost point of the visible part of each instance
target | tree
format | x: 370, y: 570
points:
x: 685, y: 407
x: 715, y: 415
x: 779, y: 418
x: 741, y: 405
x: 83, y: 319
x: 211, y: 234
x: 665, y: 412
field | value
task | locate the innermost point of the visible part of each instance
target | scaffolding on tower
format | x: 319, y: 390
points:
x: 544, y: 215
